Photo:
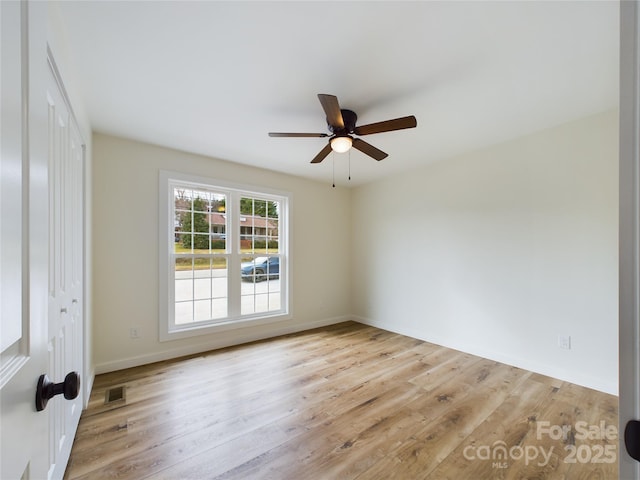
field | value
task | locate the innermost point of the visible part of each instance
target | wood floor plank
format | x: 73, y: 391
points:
x: 450, y: 413
x: 345, y: 401
x: 508, y: 425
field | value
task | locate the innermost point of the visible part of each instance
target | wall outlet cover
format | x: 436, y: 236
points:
x: 564, y: 342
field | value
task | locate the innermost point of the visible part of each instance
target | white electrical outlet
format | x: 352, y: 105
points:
x: 564, y: 342
x: 133, y: 332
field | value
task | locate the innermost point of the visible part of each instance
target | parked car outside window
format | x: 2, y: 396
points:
x: 260, y: 269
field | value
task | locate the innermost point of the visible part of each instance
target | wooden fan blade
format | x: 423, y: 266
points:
x: 323, y: 154
x: 283, y: 134
x: 368, y: 149
x: 332, y: 110
x: 387, y: 126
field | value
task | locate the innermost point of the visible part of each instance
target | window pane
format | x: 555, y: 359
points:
x: 219, y: 308
x: 183, y: 313
x: 200, y: 221
x: 200, y: 243
x: 202, y: 310
x: 182, y: 198
x: 246, y: 305
x: 182, y: 239
x: 261, y: 303
x: 184, y: 265
x: 218, y: 243
x: 274, y: 301
x: 259, y: 225
x: 201, y: 288
x: 272, y: 236
x: 184, y: 289
x: 261, y: 282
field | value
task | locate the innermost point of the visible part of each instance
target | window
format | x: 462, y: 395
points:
x: 223, y: 255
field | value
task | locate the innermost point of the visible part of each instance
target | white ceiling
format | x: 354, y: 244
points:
x: 215, y: 77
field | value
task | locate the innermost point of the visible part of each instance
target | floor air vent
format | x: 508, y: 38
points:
x: 113, y: 395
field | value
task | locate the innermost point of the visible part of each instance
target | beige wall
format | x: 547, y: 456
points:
x: 125, y: 251
x: 498, y: 252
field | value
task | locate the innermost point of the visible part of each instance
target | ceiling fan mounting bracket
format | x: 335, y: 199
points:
x: 349, y: 119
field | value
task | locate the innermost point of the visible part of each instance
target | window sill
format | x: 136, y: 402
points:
x: 178, y: 333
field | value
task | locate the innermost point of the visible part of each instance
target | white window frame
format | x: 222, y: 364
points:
x: 168, y: 329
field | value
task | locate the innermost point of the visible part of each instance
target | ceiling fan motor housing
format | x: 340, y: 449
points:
x: 349, y: 119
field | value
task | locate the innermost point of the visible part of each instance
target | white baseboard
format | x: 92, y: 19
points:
x: 579, y: 379
x: 533, y: 366
x: 205, y: 347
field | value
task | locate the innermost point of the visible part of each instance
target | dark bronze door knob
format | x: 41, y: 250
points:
x: 632, y: 439
x: 46, y: 389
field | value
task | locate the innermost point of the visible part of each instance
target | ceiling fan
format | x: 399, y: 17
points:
x: 342, y: 125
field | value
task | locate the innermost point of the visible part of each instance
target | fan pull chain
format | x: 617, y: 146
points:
x: 349, y: 164
x: 333, y: 168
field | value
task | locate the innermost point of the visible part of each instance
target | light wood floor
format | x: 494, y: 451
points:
x: 343, y: 402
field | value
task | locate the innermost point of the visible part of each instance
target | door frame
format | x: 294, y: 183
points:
x: 629, y: 230
x: 88, y: 374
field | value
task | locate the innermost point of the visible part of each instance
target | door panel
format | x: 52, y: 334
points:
x: 41, y: 248
x: 66, y: 163
x: 11, y: 179
x: 23, y: 247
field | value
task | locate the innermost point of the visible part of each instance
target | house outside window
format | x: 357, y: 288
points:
x: 224, y: 259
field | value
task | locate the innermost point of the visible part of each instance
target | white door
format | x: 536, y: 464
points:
x: 42, y: 250
x: 23, y: 261
x: 65, y: 339
x: 629, y: 407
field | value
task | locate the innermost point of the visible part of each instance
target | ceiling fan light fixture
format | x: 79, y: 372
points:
x: 341, y: 144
